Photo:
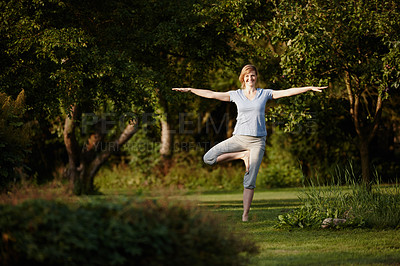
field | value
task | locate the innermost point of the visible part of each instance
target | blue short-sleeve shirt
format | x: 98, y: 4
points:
x: 250, y: 120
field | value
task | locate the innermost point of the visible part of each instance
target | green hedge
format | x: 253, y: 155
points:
x: 39, y: 232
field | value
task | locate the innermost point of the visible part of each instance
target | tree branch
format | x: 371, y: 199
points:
x: 377, y: 118
x: 356, y: 116
x: 126, y: 135
x: 347, y: 80
x: 354, y: 104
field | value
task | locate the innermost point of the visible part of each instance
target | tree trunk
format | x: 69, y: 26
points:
x: 365, y: 162
x: 84, y: 163
x: 166, y: 133
x: 72, y: 147
x: 365, y: 132
x: 166, y: 139
x: 231, y: 121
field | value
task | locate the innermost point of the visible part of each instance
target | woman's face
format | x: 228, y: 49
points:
x: 250, y: 79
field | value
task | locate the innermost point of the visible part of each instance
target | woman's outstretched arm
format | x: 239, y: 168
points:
x: 222, y: 96
x: 294, y: 91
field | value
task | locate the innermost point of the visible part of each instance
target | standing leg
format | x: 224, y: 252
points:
x: 256, y: 150
x: 251, y: 151
x: 247, y: 199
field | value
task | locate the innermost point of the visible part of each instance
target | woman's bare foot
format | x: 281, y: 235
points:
x: 246, y: 159
x: 245, y: 218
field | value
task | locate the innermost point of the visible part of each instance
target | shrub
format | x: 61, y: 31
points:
x: 192, y: 176
x: 187, y: 171
x: 281, y: 169
x: 28, y: 190
x: 143, y: 153
x: 119, y: 232
x: 122, y: 177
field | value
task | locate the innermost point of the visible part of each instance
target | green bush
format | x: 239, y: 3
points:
x: 303, y: 217
x: 280, y: 168
x: 190, y: 172
x: 143, y: 152
x: 122, y: 177
x: 187, y: 171
x: 116, y: 233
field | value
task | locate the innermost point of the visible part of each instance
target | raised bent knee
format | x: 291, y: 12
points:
x: 208, y: 159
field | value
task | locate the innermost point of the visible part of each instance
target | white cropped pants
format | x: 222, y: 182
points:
x: 237, y: 143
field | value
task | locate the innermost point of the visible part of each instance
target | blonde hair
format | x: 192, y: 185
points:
x: 246, y: 70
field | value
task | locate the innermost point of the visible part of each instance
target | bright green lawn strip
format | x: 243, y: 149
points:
x: 326, y: 247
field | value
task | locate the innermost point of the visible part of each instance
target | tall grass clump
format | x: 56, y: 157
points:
x: 350, y: 203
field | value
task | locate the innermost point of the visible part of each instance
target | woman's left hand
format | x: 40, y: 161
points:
x: 318, y: 89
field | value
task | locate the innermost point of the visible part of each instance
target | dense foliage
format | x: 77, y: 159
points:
x: 116, y: 233
x: 88, y: 68
x: 351, y: 45
x: 112, y: 61
x: 14, y: 138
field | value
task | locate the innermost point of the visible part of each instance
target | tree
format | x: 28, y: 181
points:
x: 51, y: 51
x: 350, y: 43
x: 87, y: 59
x: 186, y: 43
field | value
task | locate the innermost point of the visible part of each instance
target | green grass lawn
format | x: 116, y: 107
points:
x: 300, y: 246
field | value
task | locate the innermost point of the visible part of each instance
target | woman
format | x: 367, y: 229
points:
x: 248, y: 140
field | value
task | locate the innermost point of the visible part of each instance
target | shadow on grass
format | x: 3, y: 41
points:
x: 257, y: 204
x: 262, y: 213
